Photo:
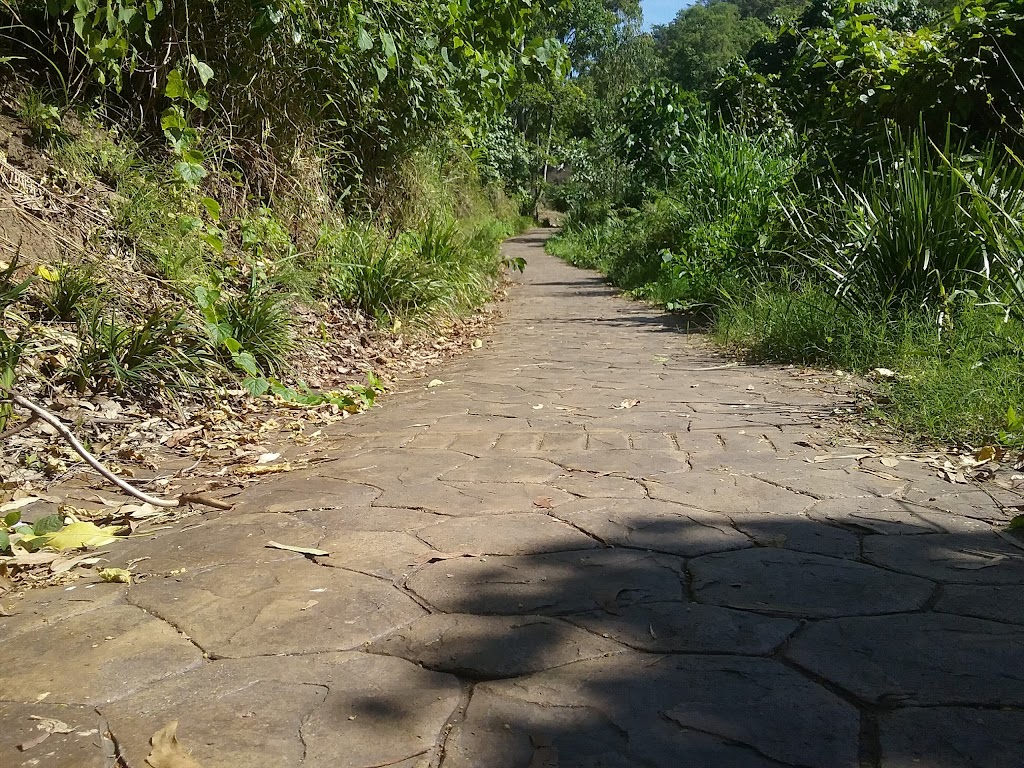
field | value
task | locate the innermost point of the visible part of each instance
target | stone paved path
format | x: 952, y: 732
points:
x: 524, y: 576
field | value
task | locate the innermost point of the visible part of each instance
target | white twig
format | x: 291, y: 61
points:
x: 70, y: 439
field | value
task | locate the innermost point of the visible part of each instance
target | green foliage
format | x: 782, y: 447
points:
x: 72, y: 286
x: 159, y: 352
x: 43, y: 120
x: 919, y: 230
x: 704, y: 39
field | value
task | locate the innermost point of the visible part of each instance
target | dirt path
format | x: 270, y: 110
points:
x: 531, y: 569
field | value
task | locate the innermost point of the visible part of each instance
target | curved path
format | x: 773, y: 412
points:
x: 595, y: 545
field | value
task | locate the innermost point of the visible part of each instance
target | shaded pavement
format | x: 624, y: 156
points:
x: 530, y: 569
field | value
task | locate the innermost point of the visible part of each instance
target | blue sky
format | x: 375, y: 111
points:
x: 662, y: 11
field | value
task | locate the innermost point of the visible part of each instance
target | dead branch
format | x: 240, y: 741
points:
x: 41, y: 413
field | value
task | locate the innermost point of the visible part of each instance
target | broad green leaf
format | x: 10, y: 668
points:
x: 232, y: 345
x: 246, y: 362
x: 204, y: 70
x: 5, y: 540
x: 212, y: 208
x: 175, y: 87
x: 365, y: 42
x: 12, y: 518
x: 256, y: 385
x: 190, y: 173
x: 1016, y: 523
x: 48, y: 524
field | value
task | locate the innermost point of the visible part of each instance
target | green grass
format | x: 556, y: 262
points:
x: 954, y: 385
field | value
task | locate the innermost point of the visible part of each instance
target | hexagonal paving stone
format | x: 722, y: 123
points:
x: 803, y: 584
x: 683, y: 627
x: 917, y: 659
x: 655, y: 525
x: 628, y: 710
x: 965, y: 558
x: 998, y: 603
x: 24, y: 726
x: 279, y: 608
x: 557, y: 583
x: 98, y: 656
x: 229, y: 538
x: 492, y: 647
x: 954, y: 737
x: 513, y: 534
x: 331, y: 711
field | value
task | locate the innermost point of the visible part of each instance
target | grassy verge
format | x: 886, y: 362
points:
x: 193, y: 287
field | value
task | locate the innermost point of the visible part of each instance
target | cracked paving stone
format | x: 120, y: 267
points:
x: 564, y: 582
x: 298, y: 492
x: 506, y: 469
x: 468, y: 499
x: 40, y: 608
x: 917, y: 659
x: 689, y: 628
x: 386, y: 554
x: 727, y: 494
x: 632, y: 464
x: 94, y: 657
x: 797, y: 533
x: 591, y: 486
x: 492, y: 647
x: 995, y: 602
x: 954, y: 737
x: 369, y: 519
x: 803, y: 584
x: 347, y: 710
x: 981, y: 558
x: 655, y: 525
x: 875, y: 515
x: 629, y: 710
x: 229, y: 538
x: 24, y: 723
x: 513, y: 534
x: 279, y: 608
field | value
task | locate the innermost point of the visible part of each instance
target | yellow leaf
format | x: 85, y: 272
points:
x: 167, y: 750
x: 477, y: 343
x: 117, y: 575
x: 49, y: 275
x: 77, y: 536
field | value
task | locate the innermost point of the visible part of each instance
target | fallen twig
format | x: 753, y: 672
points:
x: 41, y: 413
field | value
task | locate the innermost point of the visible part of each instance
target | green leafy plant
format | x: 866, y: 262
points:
x: 43, y: 120
x: 160, y: 352
x: 252, y: 330
x: 66, y: 288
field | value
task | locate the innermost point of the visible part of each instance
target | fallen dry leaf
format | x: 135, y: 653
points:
x: 626, y: 404
x: 251, y: 470
x: 889, y: 461
x: 544, y: 502
x: 435, y: 383
x: 116, y: 575
x: 167, y: 750
x: 301, y: 550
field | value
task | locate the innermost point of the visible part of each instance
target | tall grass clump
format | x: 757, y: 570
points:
x: 922, y: 229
